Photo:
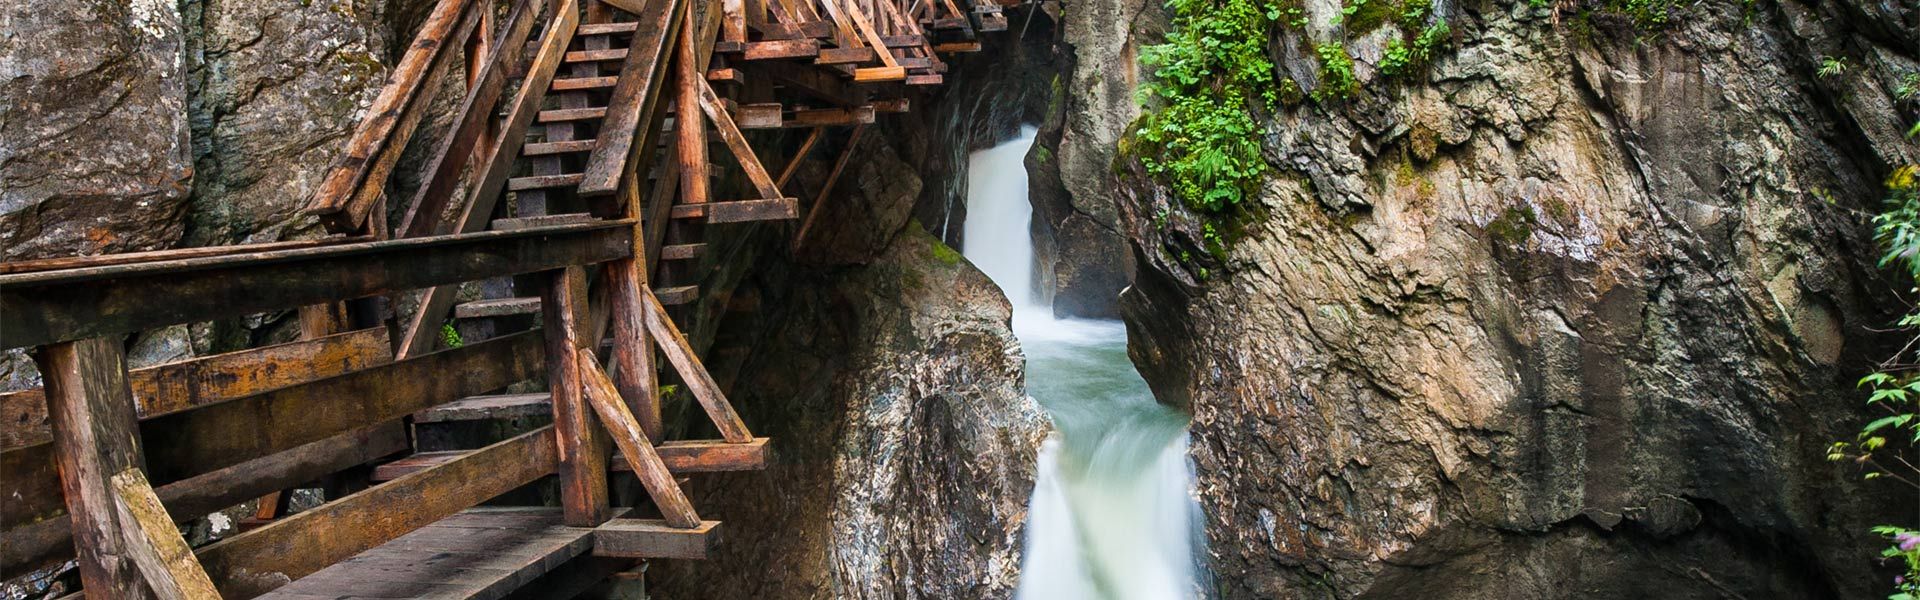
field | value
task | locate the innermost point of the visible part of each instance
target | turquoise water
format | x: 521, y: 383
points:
x: 1111, y: 516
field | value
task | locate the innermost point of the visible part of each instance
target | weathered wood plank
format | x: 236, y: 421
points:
x: 698, y: 380
x: 650, y: 538
x: 101, y: 260
x: 736, y: 141
x: 793, y: 165
x: 739, y: 211
x: 52, y: 306
x: 690, y: 139
x: 178, y: 386
x: 93, y: 438
x: 831, y: 117
x: 51, y: 539
x: 583, y: 446
x: 681, y: 457
x: 783, y: 49
x: 423, y: 326
x: 377, y: 132
x: 424, y: 212
x: 257, y: 561
x: 641, y: 78
x: 477, y: 554
x: 157, y: 548
x: 635, y: 446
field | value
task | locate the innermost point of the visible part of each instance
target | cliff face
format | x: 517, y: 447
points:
x: 1574, y: 312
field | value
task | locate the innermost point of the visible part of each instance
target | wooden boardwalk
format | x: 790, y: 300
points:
x: 478, y: 554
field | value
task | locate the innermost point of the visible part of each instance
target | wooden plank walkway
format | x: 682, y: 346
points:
x: 478, y: 554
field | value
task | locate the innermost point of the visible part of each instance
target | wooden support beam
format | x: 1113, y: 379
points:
x: 252, y: 563
x: 844, y: 56
x: 582, y: 443
x: 157, y: 548
x: 783, y: 49
x: 356, y: 180
x: 872, y: 37
x: 819, y: 202
x: 734, y: 25
x: 54, y: 306
x: 641, y: 78
x: 178, y: 386
x: 831, y: 117
x: 635, y: 446
x: 793, y: 31
x: 94, y: 438
x: 682, y: 457
x: 759, y: 116
x: 698, y: 380
x: 650, y: 538
x: 124, y: 258
x: 51, y: 539
x: 423, y: 217
x: 793, y: 165
x: 690, y: 138
x: 736, y: 141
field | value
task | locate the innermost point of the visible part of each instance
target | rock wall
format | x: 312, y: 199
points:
x: 1572, y: 313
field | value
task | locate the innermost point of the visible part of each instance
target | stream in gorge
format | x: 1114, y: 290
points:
x: 1111, y: 515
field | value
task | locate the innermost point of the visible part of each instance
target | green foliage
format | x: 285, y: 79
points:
x: 1647, y: 14
x: 1337, y: 81
x: 945, y: 254
x: 1402, y: 58
x: 1832, y: 67
x: 1366, y: 15
x: 1908, y: 89
x: 1883, y: 447
x: 449, y: 336
x: 1211, y: 76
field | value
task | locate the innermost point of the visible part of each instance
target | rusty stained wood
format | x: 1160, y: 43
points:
x: 94, y: 437
x: 53, y: 306
x: 425, y: 213
x: 698, y: 380
x: 423, y: 327
x: 255, y: 562
x: 155, y: 544
x: 736, y: 141
x: 358, y: 179
x: 690, y: 137
x: 582, y: 445
x: 178, y: 386
x: 50, y: 540
x: 829, y: 117
x: 634, y: 97
x: 783, y: 49
x: 635, y: 446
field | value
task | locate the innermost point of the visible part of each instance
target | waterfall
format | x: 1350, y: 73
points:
x: 1111, y: 515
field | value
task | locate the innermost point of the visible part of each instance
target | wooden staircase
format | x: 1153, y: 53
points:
x: 575, y: 191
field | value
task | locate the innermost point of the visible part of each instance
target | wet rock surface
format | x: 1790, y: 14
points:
x: 905, y: 441
x: 1574, y: 313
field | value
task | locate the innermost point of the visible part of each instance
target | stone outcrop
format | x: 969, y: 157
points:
x: 1572, y: 313
x: 905, y: 440
x: 93, y: 128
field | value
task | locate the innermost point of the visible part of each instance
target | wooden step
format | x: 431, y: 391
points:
x: 677, y: 295
x: 682, y: 251
x: 481, y: 408
x: 844, y: 56
x: 681, y: 457
x: 993, y: 22
x: 607, y: 55
x: 573, y: 114
x: 518, y: 223
x: 801, y: 48
x: 582, y: 83
x: 606, y: 28
x: 549, y: 148
x: 497, y: 307
x: 541, y: 182
x: 477, y: 554
x: 740, y: 211
x: 653, y: 538
x: 925, y: 79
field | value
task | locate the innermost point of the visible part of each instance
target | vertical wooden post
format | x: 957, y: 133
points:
x: 583, y: 447
x: 690, y: 130
x: 634, y: 374
x: 95, y: 436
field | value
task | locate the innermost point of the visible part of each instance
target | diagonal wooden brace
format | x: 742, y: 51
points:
x: 705, y: 390
x: 155, y: 544
x: 634, y: 445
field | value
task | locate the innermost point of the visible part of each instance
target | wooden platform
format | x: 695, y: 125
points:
x: 481, y: 553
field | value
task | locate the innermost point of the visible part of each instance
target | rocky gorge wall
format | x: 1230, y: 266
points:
x: 1571, y: 313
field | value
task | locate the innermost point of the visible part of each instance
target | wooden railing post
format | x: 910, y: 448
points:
x: 583, y: 446
x: 95, y: 436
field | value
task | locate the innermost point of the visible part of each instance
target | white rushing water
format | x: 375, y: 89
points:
x: 1111, y: 516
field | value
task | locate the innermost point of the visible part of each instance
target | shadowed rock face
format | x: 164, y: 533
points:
x: 1568, y: 315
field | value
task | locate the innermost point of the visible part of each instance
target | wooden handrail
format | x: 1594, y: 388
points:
x: 356, y: 179
x: 70, y: 304
x: 635, y: 98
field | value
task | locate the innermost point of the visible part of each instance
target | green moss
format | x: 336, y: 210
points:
x: 945, y: 254
x: 1514, y: 227
x: 1042, y: 154
x: 1364, y: 16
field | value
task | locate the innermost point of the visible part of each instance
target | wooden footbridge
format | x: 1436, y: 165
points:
x: 575, y: 190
